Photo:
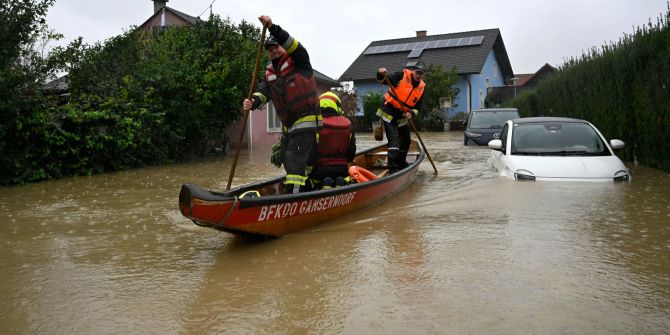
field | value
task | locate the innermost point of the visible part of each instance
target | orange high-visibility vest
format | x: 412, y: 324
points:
x: 405, y: 92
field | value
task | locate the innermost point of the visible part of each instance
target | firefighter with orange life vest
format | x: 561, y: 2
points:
x: 289, y: 83
x: 401, y: 103
x: 337, y: 142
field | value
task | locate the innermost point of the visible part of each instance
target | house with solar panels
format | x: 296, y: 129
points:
x: 479, y: 57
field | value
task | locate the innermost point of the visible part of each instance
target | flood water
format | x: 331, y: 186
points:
x: 465, y: 252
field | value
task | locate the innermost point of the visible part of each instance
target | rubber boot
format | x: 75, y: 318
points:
x: 291, y: 189
x: 327, y: 183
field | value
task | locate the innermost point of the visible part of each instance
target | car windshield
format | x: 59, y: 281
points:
x: 491, y: 119
x: 557, y: 139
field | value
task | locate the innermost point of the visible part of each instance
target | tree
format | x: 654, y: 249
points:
x: 24, y: 67
x: 136, y: 99
x: 371, y: 102
x: 22, y: 23
x: 439, y: 84
x: 348, y: 97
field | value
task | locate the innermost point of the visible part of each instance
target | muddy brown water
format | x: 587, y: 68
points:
x: 465, y: 252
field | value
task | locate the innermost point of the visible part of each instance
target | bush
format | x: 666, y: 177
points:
x: 434, y: 121
x: 622, y: 88
x: 137, y: 99
x: 526, y: 103
x: 371, y: 103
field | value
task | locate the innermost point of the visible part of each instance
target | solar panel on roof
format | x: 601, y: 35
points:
x: 416, y: 48
x: 415, y: 53
x: 477, y: 40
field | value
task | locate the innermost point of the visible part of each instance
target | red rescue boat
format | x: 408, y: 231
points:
x: 275, y: 214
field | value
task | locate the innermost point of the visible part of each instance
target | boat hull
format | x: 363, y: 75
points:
x: 277, y: 215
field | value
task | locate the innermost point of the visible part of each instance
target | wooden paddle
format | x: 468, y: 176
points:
x: 254, y: 75
x: 412, y: 124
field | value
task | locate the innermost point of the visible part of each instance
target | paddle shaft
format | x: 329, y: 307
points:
x: 252, y: 87
x: 411, y: 122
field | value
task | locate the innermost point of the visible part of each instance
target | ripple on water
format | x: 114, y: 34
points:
x: 465, y: 251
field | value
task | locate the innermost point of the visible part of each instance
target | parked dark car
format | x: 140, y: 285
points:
x: 482, y: 125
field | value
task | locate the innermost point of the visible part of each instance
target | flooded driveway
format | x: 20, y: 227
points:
x: 462, y: 252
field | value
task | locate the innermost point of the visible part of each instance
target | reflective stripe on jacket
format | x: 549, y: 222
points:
x: 309, y: 121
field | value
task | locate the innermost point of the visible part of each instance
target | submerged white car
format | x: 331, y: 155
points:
x: 552, y: 148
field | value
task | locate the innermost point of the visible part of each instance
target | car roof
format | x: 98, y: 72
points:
x: 543, y: 119
x: 495, y: 110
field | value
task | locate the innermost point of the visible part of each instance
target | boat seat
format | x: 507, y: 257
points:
x: 384, y: 153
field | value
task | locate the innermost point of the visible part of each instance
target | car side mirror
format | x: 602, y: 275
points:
x: 495, y: 144
x: 617, y: 144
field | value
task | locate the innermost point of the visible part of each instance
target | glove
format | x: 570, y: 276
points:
x: 277, y: 157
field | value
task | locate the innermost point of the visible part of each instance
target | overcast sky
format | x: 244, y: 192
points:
x: 336, y: 32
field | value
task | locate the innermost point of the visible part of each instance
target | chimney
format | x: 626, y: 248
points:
x: 421, y: 33
x: 159, y: 4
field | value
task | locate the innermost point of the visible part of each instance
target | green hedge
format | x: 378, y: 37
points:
x: 623, y: 88
x: 138, y: 99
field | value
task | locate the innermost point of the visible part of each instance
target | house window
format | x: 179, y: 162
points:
x: 488, y: 83
x: 157, y: 30
x: 481, y: 99
x: 274, y: 124
x: 495, y: 70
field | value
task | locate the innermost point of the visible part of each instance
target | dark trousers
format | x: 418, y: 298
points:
x: 398, y: 145
x: 300, y: 152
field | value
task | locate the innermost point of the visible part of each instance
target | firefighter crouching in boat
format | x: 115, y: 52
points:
x: 337, y: 145
x: 289, y: 83
x: 402, y: 102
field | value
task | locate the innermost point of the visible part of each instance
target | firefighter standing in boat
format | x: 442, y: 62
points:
x: 401, y: 102
x: 289, y: 83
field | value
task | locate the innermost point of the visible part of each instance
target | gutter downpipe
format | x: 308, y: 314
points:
x: 469, y: 93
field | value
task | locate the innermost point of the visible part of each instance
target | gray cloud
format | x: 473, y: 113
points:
x: 335, y: 33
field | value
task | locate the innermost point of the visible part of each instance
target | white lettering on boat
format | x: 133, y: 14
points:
x: 280, y: 211
x: 277, y: 211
